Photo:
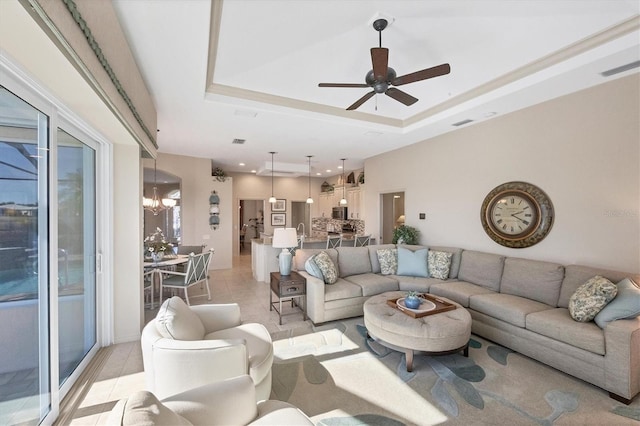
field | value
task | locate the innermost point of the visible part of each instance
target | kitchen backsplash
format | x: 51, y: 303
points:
x: 321, y: 226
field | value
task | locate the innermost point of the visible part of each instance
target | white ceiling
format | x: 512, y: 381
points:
x: 255, y: 75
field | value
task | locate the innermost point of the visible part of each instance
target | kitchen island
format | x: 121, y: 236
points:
x: 264, y: 257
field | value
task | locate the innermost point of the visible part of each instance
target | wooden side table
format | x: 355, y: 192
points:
x: 287, y: 287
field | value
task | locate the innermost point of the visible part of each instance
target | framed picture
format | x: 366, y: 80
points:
x: 279, y: 206
x: 278, y: 219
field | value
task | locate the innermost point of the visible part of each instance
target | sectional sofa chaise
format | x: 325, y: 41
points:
x: 519, y: 303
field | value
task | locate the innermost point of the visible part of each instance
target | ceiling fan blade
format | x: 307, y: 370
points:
x: 380, y: 61
x: 362, y: 100
x: 422, y: 75
x: 342, y: 85
x: 401, y: 96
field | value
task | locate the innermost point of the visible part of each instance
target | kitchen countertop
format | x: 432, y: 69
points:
x: 267, y: 241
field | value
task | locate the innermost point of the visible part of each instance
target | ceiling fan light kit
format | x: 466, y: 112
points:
x: 381, y: 77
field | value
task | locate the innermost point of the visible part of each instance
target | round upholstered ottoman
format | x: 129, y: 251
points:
x: 437, y: 334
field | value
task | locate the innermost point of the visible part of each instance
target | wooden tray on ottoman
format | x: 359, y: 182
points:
x: 441, y: 306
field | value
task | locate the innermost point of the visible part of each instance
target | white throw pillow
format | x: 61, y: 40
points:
x: 143, y: 408
x: 175, y: 320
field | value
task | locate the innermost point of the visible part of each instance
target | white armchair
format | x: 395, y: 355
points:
x: 185, y: 347
x: 230, y: 402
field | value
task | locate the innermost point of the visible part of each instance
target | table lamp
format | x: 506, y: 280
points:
x: 285, y: 238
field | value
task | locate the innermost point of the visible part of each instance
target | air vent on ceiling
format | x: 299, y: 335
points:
x: 239, y: 141
x: 621, y: 68
x: 460, y: 123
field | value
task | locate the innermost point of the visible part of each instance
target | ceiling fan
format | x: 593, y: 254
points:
x: 382, y: 77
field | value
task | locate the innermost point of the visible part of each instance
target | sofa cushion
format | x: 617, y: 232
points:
x: 353, y: 260
x: 590, y: 298
x: 483, y: 269
x: 439, y: 264
x: 626, y: 304
x: 342, y: 289
x: 328, y: 268
x: 175, y: 320
x: 412, y: 263
x: 506, y: 307
x: 456, y: 255
x: 302, y: 255
x: 576, y: 275
x: 143, y: 408
x: 458, y: 291
x: 312, y: 268
x: 419, y: 284
x: 532, y: 279
x: 373, y: 255
x: 388, y: 261
x: 373, y: 283
x: 558, y: 325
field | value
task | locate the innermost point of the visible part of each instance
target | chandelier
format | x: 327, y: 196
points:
x: 154, y: 204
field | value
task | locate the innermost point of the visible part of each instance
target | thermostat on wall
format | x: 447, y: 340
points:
x: 423, y: 216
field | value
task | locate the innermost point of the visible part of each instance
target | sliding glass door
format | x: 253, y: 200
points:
x: 47, y: 258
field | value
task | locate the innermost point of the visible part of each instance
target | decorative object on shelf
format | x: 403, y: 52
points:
x: 343, y: 201
x: 278, y: 219
x: 155, y: 245
x: 219, y: 174
x: 309, y: 200
x: 285, y: 238
x: 326, y: 187
x: 351, y: 178
x: 272, y: 199
x: 404, y: 234
x: 280, y: 205
x: 361, y: 178
x: 214, y: 210
x: 517, y: 214
x: 154, y: 204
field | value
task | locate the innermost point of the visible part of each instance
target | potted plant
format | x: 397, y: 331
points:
x: 219, y: 174
x: 405, y: 235
x: 412, y: 300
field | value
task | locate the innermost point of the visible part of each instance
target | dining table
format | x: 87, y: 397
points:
x: 153, y: 270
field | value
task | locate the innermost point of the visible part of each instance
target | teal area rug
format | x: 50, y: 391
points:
x: 340, y: 377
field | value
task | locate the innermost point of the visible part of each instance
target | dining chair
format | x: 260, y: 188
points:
x: 149, y: 284
x: 333, y: 242
x: 197, y: 271
x: 362, y: 241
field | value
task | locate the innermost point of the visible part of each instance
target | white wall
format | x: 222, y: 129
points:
x: 581, y: 149
x: 197, y: 184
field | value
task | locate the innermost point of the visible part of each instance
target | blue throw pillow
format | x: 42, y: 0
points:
x: 312, y: 268
x: 626, y: 304
x: 412, y: 263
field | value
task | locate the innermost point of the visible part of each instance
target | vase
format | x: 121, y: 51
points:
x: 412, y: 302
x: 157, y: 256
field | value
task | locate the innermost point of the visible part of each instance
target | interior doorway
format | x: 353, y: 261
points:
x: 392, y: 215
x: 251, y: 220
x: 301, y: 214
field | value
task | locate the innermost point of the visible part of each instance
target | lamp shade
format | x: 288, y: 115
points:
x: 284, y: 238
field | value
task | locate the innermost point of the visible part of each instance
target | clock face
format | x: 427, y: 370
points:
x: 517, y: 214
x: 513, y: 214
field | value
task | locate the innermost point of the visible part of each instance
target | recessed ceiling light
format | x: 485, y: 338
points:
x: 318, y: 174
x: 254, y: 171
x: 339, y: 167
x: 241, y: 164
x: 328, y: 171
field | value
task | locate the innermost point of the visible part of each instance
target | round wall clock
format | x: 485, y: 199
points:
x: 517, y: 214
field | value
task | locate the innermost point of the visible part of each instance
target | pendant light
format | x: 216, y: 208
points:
x: 309, y: 200
x: 343, y: 202
x: 154, y: 204
x: 272, y: 199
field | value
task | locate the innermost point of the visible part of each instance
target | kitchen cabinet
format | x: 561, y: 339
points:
x: 325, y: 204
x: 355, y: 202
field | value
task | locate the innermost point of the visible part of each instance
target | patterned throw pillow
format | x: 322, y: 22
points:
x: 439, y: 264
x: 590, y: 298
x: 329, y: 271
x: 388, y: 259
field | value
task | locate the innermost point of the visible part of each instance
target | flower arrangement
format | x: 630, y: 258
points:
x: 156, y: 243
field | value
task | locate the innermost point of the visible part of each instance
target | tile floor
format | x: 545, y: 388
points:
x: 122, y: 373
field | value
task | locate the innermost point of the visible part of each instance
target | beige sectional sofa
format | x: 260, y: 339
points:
x: 519, y: 303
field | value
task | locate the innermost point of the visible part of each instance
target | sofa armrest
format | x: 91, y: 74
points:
x: 315, y: 297
x: 217, y: 317
x: 232, y: 402
x: 179, y: 365
x: 622, y: 357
